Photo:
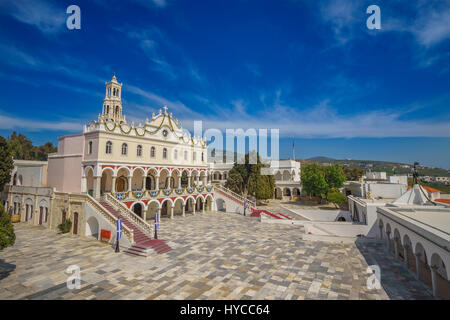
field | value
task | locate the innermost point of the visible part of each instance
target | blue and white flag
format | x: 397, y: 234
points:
x: 156, y: 221
x: 119, y: 229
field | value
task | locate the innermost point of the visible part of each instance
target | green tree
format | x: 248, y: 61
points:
x: 335, y: 197
x: 22, y: 148
x: 334, y: 176
x: 313, y: 180
x: 235, y: 182
x: 246, y: 179
x: 7, y: 236
x: 6, y: 163
x: 353, y: 174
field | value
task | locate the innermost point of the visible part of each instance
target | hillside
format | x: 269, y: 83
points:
x: 389, y: 167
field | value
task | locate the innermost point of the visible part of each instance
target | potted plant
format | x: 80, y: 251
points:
x: 65, y: 226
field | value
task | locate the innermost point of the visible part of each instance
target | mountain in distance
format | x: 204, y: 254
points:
x: 389, y: 167
x: 321, y: 159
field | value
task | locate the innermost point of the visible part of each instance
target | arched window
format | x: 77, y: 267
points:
x: 124, y: 149
x: 175, y: 154
x: 152, y: 152
x: 117, y: 92
x: 90, y: 147
x: 117, y: 110
x: 107, y: 109
x: 139, y: 151
x: 185, y: 155
x: 114, y: 91
x: 164, y: 153
x: 109, y: 147
x: 203, y: 157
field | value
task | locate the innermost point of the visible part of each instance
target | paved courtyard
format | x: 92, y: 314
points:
x: 215, y: 256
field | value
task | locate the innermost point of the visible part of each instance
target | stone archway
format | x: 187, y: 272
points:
x: 152, y: 210
x: 106, y: 181
x: 178, y: 207
x: 199, y: 203
x: 92, y: 227
x: 90, y: 182
x: 165, y: 208
x: 221, y: 205
x: 122, y: 180
x: 137, y: 209
x: 442, y: 285
x: 189, y: 206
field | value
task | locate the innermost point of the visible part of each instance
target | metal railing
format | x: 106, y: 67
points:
x: 106, y: 214
x: 250, y: 203
x: 130, y: 215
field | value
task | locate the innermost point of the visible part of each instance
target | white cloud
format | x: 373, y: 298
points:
x: 45, y: 16
x: 9, y: 123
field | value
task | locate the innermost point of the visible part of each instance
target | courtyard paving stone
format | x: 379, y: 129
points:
x: 215, y: 256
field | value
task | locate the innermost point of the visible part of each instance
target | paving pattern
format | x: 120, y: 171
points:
x: 215, y: 256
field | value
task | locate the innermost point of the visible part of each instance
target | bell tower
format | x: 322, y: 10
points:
x: 112, y: 104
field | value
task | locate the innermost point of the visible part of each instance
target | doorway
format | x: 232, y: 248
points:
x: 75, y: 223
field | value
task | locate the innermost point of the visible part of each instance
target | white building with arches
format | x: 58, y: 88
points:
x: 286, y: 174
x: 151, y: 166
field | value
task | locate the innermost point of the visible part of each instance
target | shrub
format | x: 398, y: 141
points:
x: 7, y: 236
x: 336, y: 198
x: 65, y: 226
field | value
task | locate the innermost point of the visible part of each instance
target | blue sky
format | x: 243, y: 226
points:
x: 310, y: 68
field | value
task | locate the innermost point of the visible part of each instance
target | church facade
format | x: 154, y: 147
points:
x: 151, y: 166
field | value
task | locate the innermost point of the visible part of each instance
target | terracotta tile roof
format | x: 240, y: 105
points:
x: 429, y: 189
x: 443, y: 200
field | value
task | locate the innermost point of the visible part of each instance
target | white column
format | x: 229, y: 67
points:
x: 183, y: 209
x: 405, y: 253
x: 97, y: 181
x: 388, y: 241
x: 129, y: 183
x: 417, y: 266
x: 434, y: 280
x: 193, y: 207
x: 171, y: 211
x: 169, y: 182
x: 143, y: 183
x: 189, y: 180
x: 144, y: 214
x: 113, y: 186
x: 83, y: 184
x: 157, y: 183
x: 396, y: 247
x: 179, y: 181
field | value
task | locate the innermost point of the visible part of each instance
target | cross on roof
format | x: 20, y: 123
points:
x: 165, y: 109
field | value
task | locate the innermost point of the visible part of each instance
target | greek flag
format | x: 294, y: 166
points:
x: 119, y: 229
x: 156, y: 221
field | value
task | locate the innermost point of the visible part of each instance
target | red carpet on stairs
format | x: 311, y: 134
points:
x: 142, y: 241
x: 257, y: 213
x: 286, y: 217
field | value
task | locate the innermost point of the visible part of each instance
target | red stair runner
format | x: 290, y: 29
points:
x: 142, y: 241
x: 284, y: 216
x: 257, y: 213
